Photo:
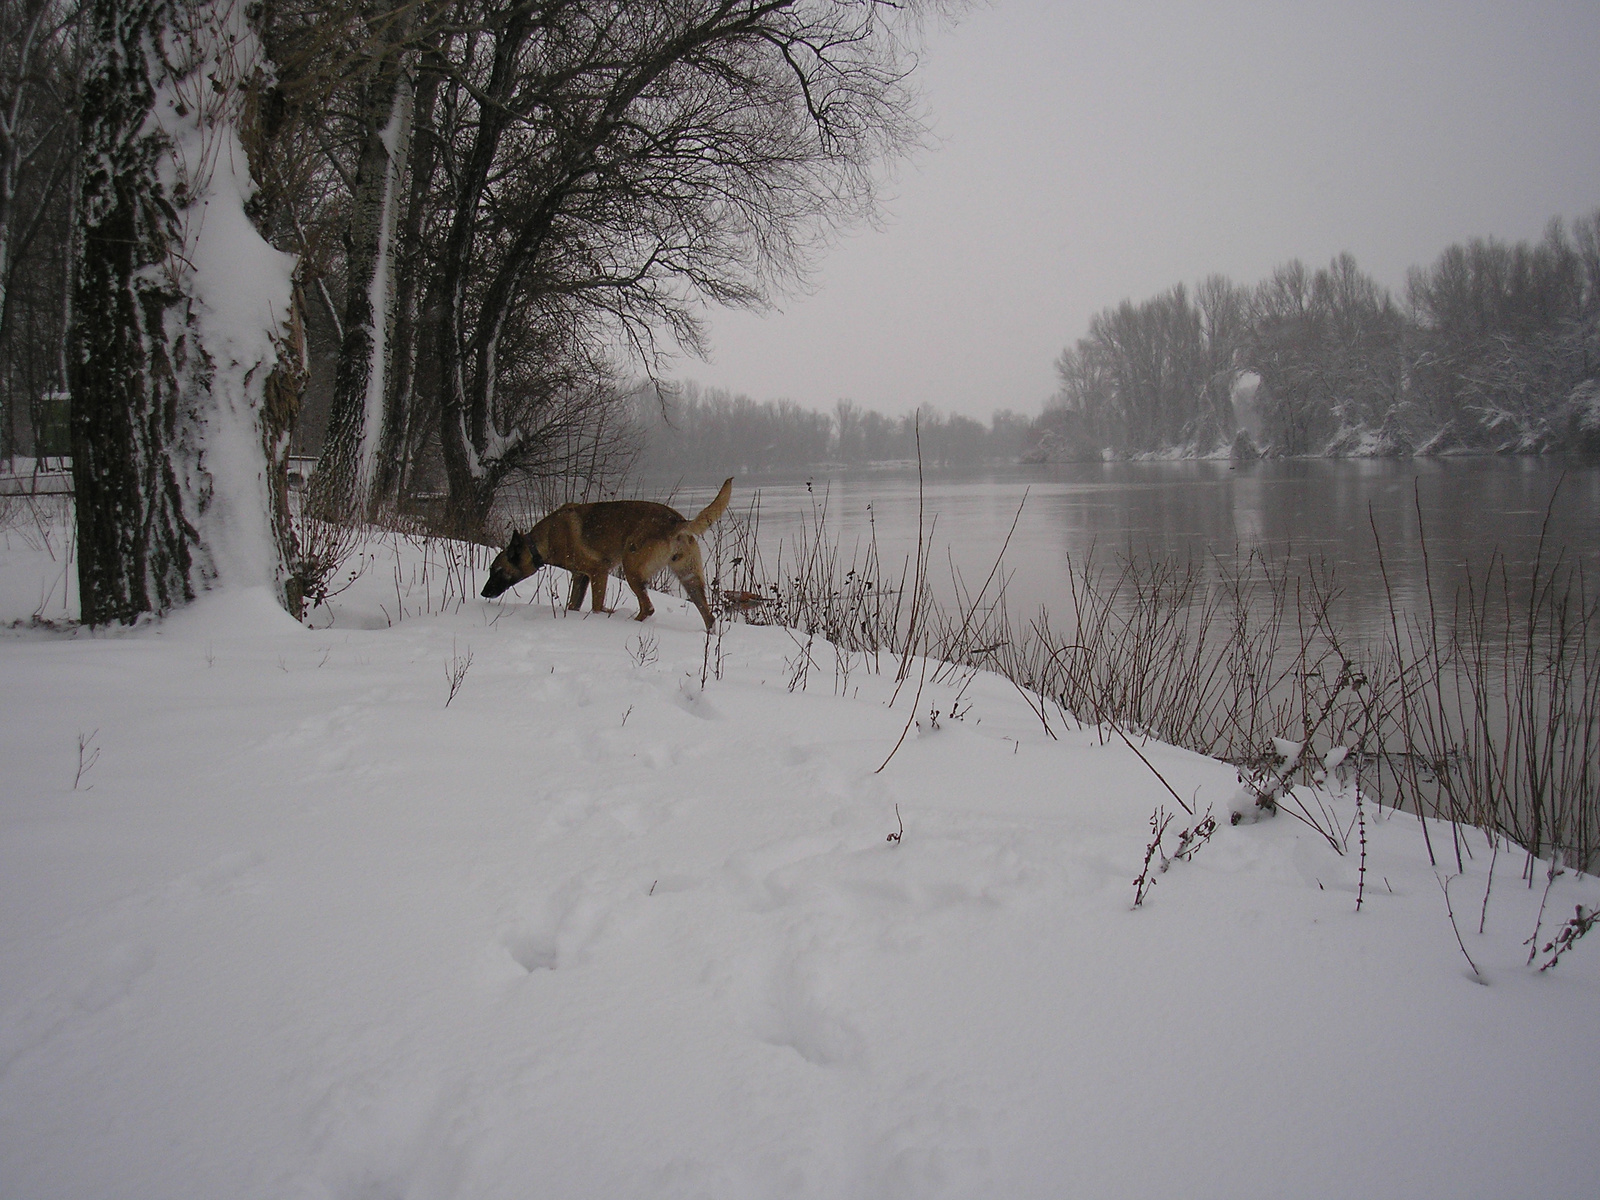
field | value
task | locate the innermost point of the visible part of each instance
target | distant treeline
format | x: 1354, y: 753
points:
x: 714, y: 430
x: 1495, y: 347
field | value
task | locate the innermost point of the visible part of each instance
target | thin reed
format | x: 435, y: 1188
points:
x: 431, y: 574
x: 809, y: 586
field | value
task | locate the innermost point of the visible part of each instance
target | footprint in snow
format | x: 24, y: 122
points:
x: 36, y: 1020
x: 221, y: 875
x: 799, y: 1010
x: 694, y: 702
x: 574, y: 918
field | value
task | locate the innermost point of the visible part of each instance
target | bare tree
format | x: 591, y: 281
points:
x: 40, y: 74
x: 613, y: 165
x: 576, y: 180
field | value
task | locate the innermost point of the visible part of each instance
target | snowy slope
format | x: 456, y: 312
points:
x: 596, y: 929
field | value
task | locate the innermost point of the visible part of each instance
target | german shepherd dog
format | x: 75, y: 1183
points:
x: 590, y: 540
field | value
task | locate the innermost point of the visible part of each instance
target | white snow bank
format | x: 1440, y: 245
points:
x: 279, y: 922
x: 238, y: 613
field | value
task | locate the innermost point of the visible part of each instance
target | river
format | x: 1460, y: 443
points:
x: 1453, y: 512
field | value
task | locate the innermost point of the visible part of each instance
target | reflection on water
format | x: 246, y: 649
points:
x: 1336, y: 512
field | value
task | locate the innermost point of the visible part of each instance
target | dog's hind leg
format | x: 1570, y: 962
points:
x: 697, y: 596
x: 688, y: 566
x: 641, y: 591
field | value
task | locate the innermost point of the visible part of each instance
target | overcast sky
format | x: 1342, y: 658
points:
x: 1090, y: 152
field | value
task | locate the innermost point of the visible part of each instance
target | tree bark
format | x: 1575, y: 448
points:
x: 280, y: 405
x: 136, y: 541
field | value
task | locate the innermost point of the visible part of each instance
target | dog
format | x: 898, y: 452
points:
x: 590, y: 540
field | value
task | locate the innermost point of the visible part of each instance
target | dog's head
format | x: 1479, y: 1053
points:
x: 512, y: 565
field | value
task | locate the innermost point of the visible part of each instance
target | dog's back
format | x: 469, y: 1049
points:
x: 603, y: 530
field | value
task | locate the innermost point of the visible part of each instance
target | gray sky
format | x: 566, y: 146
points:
x: 1090, y: 152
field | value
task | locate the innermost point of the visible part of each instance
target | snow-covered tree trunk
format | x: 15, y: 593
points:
x: 400, y: 411
x: 179, y: 303
x: 342, y: 487
x: 280, y: 405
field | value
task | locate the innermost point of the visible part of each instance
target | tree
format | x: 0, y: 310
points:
x: 1329, y: 348
x: 377, y: 50
x: 40, y: 69
x: 1499, y: 349
x: 178, y: 301
x: 577, y: 180
x: 1140, y: 375
x: 1507, y: 337
x: 616, y: 165
x: 1224, y: 312
x: 850, y: 441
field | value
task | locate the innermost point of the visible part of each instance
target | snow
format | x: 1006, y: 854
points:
x: 280, y: 922
x: 238, y: 285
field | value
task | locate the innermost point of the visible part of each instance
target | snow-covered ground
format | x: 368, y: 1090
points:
x: 278, y: 921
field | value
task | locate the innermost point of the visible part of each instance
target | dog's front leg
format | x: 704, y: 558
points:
x: 598, y: 604
x: 580, y: 587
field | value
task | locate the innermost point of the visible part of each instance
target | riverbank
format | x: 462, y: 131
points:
x: 451, y: 897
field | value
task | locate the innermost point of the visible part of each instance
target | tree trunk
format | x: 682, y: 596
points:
x: 280, y: 405
x: 136, y: 541
x: 401, y: 419
x: 342, y: 488
x: 167, y: 442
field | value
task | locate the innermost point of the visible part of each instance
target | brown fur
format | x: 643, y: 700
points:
x: 591, y: 540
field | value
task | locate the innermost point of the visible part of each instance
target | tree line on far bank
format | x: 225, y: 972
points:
x: 696, y: 432
x: 1495, y: 347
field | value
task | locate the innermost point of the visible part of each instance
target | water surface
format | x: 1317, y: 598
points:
x: 1446, y: 514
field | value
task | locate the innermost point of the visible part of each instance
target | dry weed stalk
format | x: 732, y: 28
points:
x: 1144, y: 881
x: 88, y: 755
x: 455, y: 671
x: 1567, y: 936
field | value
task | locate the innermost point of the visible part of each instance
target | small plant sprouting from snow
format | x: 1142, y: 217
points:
x: 800, y: 666
x: 1190, y: 840
x: 1265, y: 782
x: 1554, y: 871
x: 88, y: 755
x: 1144, y: 881
x: 1265, y: 789
x: 643, y: 649
x: 455, y: 671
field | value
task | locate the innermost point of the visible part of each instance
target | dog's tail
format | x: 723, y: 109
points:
x: 711, y: 512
